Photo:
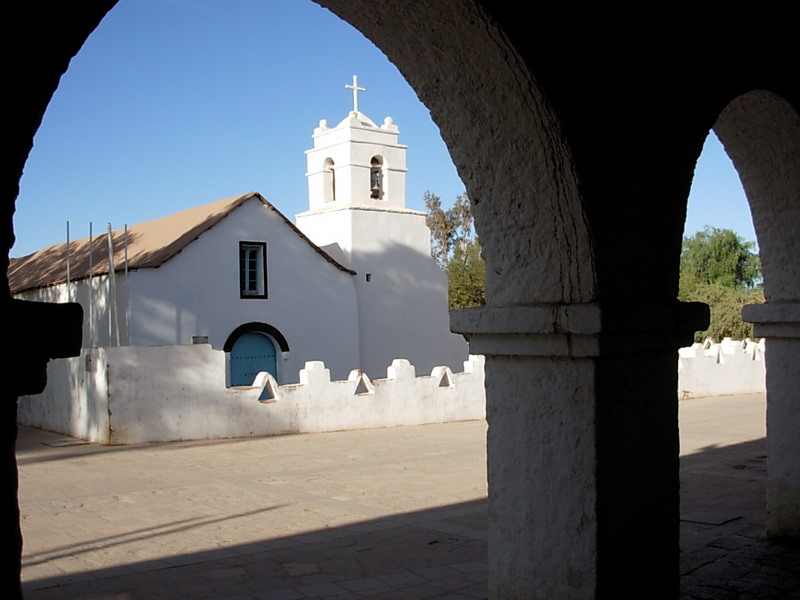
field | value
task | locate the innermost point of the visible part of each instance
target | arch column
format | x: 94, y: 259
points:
x: 582, y: 445
x: 779, y: 323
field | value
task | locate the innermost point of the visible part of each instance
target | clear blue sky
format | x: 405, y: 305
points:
x: 175, y: 103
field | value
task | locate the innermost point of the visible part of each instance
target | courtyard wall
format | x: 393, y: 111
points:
x: 135, y: 394
x: 720, y: 369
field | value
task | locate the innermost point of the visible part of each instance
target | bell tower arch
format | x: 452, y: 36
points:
x: 356, y: 163
x: 356, y: 175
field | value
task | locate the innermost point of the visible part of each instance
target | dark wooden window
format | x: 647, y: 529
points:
x: 252, y: 269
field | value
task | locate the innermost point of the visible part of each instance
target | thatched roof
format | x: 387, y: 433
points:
x: 149, y: 245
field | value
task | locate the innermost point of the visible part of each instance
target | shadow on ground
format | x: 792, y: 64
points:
x: 724, y: 552
x: 428, y: 554
x: 433, y: 553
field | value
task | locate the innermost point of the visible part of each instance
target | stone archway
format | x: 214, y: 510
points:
x: 502, y: 136
x: 761, y: 133
x: 539, y: 328
x: 251, y: 348
x: 552, y: 259
x: 579, y: 162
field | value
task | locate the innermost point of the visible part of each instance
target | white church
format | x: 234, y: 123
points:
x: 351, y: 282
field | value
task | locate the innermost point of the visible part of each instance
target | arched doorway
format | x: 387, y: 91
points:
x: 252, y: 348
x: 761, y: 133
x: 252, y: 353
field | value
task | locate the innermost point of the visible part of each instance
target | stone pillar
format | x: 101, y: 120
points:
x: 779, y: 323
x: 582, y: 447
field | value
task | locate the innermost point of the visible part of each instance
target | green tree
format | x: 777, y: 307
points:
x: 466, y: 273
x: 455, y: 247
x: 721, y: 269
x: 719, y: 256
x: 441, y: 224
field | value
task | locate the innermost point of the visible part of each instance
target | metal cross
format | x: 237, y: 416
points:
x: 355, y: 89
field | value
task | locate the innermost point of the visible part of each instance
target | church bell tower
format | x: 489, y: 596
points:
x: 356, y: 175
x: 357, y: 213
x: 356, y: 163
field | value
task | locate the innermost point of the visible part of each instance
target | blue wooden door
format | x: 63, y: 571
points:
x: 251, y: 353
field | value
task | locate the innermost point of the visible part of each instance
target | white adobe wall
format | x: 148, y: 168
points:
x: 130, y: 395
x: 367, y: 229
x: 351, y: 145
x: 324, y: 313
x: 730, y: 367
x: 75, y: 400
x: 331, y: 230
x: 403, y: 307
x: 139, y: 394
x: 104, y: 322
x: 311, y: 302
x: 402, y: 398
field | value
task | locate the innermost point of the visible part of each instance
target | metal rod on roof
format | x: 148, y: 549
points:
x: 69, y: 291
x: 127, y: 297
x: 127, y: 293
x: 113, y: 313
x: 89, y: 292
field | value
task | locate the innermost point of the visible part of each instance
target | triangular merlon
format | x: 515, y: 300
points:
x: 363, y: 385
x: 269, y: 387
x: 443, y: 376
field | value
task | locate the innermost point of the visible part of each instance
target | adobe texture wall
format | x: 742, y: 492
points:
x: 137, y: 394
x: 730, y: 367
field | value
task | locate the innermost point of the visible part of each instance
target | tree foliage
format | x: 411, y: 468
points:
x: 721, y: 269
x: 717, y: 267
x: 719, y: 256
x: 455, y: 247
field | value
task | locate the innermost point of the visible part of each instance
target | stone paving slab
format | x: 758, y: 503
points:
x: 390, y: 513
x: 724, y: 552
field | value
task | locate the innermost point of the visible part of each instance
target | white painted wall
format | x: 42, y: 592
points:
x: 310, y: 301
x: 132, y: 394
x: 75, y: 401
x: 104, y: 320
x: 402, y: 310
x: 138, y: 394
x: 351, y: 145
x: 324, y: 313
x: 730, y: 367
x: 402, y: 292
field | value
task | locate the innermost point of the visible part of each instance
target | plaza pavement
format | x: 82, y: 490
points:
x: 394, y: 513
